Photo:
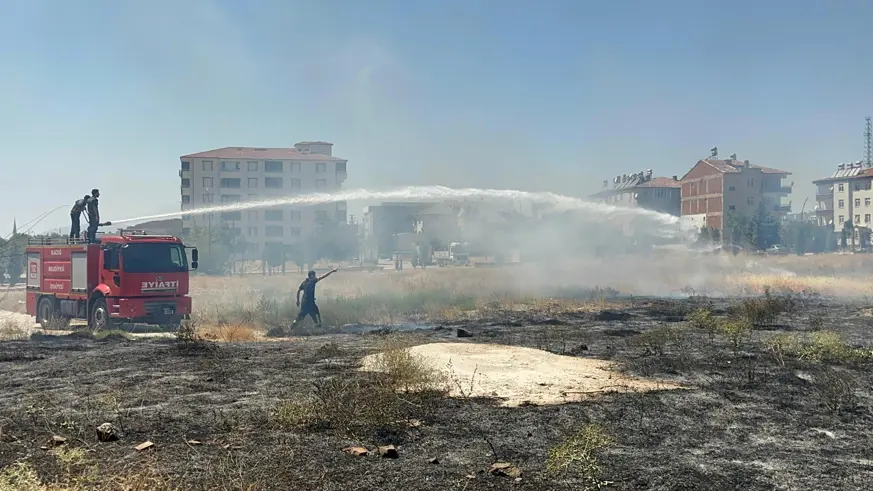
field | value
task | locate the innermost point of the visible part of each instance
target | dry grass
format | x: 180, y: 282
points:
x: 230, y: 333
x: 12, y: 329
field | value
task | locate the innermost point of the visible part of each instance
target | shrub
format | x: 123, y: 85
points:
x: 820, y: 346
x: 579, y: 454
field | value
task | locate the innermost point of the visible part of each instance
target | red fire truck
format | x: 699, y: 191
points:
x: 131, y: 277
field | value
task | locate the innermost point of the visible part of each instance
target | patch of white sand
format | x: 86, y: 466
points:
x: 518, y: 375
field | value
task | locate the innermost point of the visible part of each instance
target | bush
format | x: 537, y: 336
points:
x: 579, y: 454
x: 656, y: 340
x: 820, y: 346
x: 760, y: 311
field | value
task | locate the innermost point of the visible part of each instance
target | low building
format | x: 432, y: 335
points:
x: 715, y: 188
x: 661, y: 194
x: 845, y: 196
x: 381, y: 223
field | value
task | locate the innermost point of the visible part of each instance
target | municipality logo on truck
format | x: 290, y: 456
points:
x: 159, y: 285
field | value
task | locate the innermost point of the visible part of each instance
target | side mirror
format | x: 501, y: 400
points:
x: 193, y: 264
x: 194, y: 256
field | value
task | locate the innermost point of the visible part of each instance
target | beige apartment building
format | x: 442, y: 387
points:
x: 661, y: 194
x: 845, y: 196
x: 238, y: 174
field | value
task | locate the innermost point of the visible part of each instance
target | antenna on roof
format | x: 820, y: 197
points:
x: 868, y: 143
x: 713, y: 153
x: 733, y: 156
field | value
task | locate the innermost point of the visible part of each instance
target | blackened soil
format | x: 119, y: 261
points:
x: 747, y: 421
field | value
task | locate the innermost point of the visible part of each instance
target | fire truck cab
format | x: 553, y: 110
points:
x: 131, y: 277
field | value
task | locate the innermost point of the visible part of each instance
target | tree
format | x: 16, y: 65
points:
x: 763, y: 229
x: 215, y: 254
x: 849, y: 232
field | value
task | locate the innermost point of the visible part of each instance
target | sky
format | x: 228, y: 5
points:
x: 556, y: 95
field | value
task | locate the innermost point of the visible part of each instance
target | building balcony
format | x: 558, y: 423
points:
x: 781, y: 208
x: 821, y: 212
x: 827, y: 197
x: 781, y: 190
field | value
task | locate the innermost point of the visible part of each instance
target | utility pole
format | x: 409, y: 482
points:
x: 868, y: 143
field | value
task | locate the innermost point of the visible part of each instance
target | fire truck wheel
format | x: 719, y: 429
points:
x: 99, y: 319
x: 46, y: 315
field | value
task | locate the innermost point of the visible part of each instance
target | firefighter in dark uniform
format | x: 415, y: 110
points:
x: 76, y: 215
x: 308, y: 307
x: 93, y: 216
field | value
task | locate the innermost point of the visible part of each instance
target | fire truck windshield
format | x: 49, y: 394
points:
x: 154, y: 258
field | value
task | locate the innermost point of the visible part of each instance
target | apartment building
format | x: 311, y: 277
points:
x: 845, y: 195
x: 661, y: 194
x: 714, y: 188
x: 238, y: 174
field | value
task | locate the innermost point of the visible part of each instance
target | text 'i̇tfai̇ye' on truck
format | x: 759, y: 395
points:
x: 127, y: 278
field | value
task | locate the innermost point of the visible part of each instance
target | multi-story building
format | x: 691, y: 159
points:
x: 642, y: 190
x: 845, y: 196
x: 237, y: 174
x: 714, y: 188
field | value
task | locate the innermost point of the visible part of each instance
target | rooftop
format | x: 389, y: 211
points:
x: 734, y: 166
x: 628, y: 182
x: 849, y: 170
x: 256, y: 153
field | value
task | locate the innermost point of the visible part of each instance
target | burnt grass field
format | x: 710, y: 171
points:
x: 778, y: 397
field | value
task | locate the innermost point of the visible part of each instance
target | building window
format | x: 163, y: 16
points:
x: 857, y: 218
x: 294, y: 183
x: 227, y: 199
x: 320, y: 215
x: 207, y: 165
x: 273, y: 182
x: 186, y: 199
x: 295, y: 166
x: 867, y: 185
x: 272, y: 166
x: 253, y: 165
x: 857, y: 186
x: 842, y: 219
x: 340, y: 166
x: 253, y: 215
x: 207, y: 182
x: 253, y: 182
x: 866, y: 201
x: 273, y: 215
x: 294, y: 231
x: 750, y: 201
x: 751, y: 182
x: 732, y: 207
x: 230, y: 183
x: 732, y: 188
x: 253, y: 231
x: 841, y: 204
x: 841, y: 187
x: 207, y: 198
x: 867, y: 218
x: 186, y: 165
x: 858, y: 201
x: 321, y: 183
x: 186, y: 217
x: 231, y: 216
x: 229, y: 166
x: 186, y: 183
x: 274, y: 231
x: 320, y: 167
x: 295, y: 216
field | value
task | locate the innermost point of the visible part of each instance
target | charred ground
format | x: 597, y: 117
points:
x: 778, y: 398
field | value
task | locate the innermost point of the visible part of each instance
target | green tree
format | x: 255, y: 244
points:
x: 215, y: 251
x: 763, y: 229
x: 849, y: 233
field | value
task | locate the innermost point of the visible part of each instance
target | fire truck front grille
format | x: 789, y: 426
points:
x: 160, y: 308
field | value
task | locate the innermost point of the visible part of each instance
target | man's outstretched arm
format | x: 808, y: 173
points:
x: 325, y: 275
x: 298, y: 295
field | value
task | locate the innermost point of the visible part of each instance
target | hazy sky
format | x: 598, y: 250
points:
x: 550, y: 95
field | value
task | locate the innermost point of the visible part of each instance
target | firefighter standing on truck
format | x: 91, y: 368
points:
x: 93, y: 216
x: 76, y: 215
